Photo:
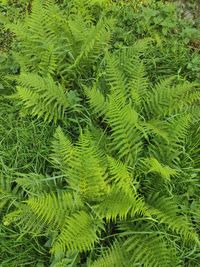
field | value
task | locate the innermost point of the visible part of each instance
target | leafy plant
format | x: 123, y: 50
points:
x: 50, y: 43
x: 130, y: 182
x: 104, y: 168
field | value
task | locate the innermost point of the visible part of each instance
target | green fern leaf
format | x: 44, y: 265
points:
x: 120, y: 176
x: 80, y: 233
x: 42, y: 97
x: 96, y: 100
x: 86, y: 174
x: 113, y: 256
x: 155, y: 166
x: 62, y: 150
x: 126, y: 138
x: 119, y: 204
x: 168, y: 213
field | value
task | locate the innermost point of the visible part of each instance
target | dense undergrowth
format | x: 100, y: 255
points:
x: 99, y: 133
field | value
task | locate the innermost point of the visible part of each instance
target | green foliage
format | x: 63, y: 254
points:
x: 42, y: 97
x: 176, y: 40
x: 103, y: 182
x: 24, y: 143
x: 99, y: 160
x: 20, y: 253
x: 50, y: 43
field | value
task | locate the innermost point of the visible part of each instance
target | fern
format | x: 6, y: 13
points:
x: 153, y: 165
x: 96, y: 100
x: 165, y: 100
x: 34, y: 184
x: 144, y: 248
x: 138, y: 83
x: 76, y: 236
x: 62, y: 150
x: 126, y: 137
x: 115, y: 76
x: 56, y: 45
x: 114, y: 256
x: 92, y: 46
x: 38, y: 41
x: 51, y: 212
x: 147, y: 130
x: 42, y: 97
x: 140, y: 247
x: 117, y: 201
x: 119, y: 204
x: 84, y: 171
x: 41, y: 208
x: 167, y: 212
x: 120, y: 175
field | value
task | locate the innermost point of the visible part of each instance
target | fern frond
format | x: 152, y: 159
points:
x: 45, y: 212
x: 115, y: 77
x: 62, y: 149
x: 120, y: 176
x: 81, y: 8
x: 80, y: 233
x: 126, y: 137
x: 115, y: 255
x: 79, y: 31
x: 178, y: 129
x: 184, y: 96
x: 148, y: 250
x: 167, y: 212
x: 38, y: 38
x: 59, y: 212
x: 92, y: 47
x: 48, y: 62
x: 52, y: 209
x: 34, y: 184
x: 134, y: 70
x: 42, y: 97
x: 165, y: 100
x: 158, y: 128
x: 138, y: 83
x: 153, y: 165
x: 133, y: 52
x: 118, y: 204
x: 158, y: 99
x: 86, y: 174
x: 96, y: 100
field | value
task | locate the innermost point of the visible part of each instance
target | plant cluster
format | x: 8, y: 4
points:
x: 100, y: 148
